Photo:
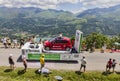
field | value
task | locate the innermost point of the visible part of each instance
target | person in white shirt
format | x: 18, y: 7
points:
x: 114, y: 64
x: 15, y: 43
x: 5, y: 42
x: 83, y: 64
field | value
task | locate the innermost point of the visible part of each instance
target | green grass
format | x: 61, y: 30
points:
x: 31, y: 75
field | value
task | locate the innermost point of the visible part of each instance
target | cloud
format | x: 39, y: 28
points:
x: 53, y: 4
x: 89, y: 4
x: 45, y: 4
x: 69, y: 1
x: 79, y: 10
x: 99, y: 3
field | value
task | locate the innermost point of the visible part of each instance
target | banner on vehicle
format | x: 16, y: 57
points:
x: 47, y: 56
x: 78, y: 40
x: 53, y: 56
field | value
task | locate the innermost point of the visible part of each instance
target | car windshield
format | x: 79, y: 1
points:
x: 52, y: 39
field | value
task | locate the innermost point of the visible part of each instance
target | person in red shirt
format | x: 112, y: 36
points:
x: 109, y: 65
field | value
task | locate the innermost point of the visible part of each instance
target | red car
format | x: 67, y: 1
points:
x: 58, y: 43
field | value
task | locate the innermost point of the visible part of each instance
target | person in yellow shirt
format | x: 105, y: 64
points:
x: 42, y: 61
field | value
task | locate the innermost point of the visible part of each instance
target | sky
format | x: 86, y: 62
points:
x: 74, y: 6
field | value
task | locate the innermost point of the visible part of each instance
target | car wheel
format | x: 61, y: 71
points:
x: 67, y: 49
x: 47, y: 48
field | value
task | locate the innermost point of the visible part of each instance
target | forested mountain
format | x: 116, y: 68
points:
x: 102, y: 20
x: 28, y: 21
x: 20, y: 21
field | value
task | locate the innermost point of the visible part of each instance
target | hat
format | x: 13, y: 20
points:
x: 42, y: 55
x: 11, y: 55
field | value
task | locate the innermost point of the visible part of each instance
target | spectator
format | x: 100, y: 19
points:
x: 21, y: 42
x: 60, y: 34
x: 5, y: 42
x: 24, y: 63
x: 83, y: 47
x: 103, y: 48
x: 113, y: 49
x: 15, y: 43
x: 114, y: 65
x: 9, y: 43
x: 109, y: 65
x: 83, y: 64
x: 42, y: 61
x: 11, y: 62
x: 41, y: 46
x: 33, y: 39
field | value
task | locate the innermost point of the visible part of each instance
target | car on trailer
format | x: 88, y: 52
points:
x: 58, y: 43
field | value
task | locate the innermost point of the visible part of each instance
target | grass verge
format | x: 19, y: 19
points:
x: 32, y: 75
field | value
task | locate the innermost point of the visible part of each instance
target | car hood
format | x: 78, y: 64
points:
x: 46, y: 42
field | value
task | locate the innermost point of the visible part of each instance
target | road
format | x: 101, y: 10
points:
x: 95, y: 61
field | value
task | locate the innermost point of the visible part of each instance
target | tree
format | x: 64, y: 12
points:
x: 96, y: 40
x: 113, y: 40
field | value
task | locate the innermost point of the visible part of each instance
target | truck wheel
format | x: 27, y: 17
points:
x: 67, y: 49
x: 47, y: 48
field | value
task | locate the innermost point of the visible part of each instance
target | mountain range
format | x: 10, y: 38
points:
x: 17, y: 22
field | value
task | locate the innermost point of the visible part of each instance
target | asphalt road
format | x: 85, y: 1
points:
x: 95, y: 61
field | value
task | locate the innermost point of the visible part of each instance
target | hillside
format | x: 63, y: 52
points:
x: 102, y: 20
x: 29, y: 21
x: 33, y: 21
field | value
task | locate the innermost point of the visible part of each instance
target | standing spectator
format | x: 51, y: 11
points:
x: 60, y: 35
x: 114, y: 65
x: 33, y: 39
x: 41, y: 46
x: 42, y: 61
x: 5, y: 42
x: 103, y: 48
x: 113, y: 49
x: 93, y: 46
x: 83, y: 64
x: 24, y: 63
x: 84, y: 47
x: 109, y: 65
x: 9, y: 43
x: 15, y: 43
x: 21, y: 42
x: 11, y: 62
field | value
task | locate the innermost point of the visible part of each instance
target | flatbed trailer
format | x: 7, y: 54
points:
x: 35, y: 53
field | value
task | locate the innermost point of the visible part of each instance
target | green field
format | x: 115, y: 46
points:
x: 32, y: 75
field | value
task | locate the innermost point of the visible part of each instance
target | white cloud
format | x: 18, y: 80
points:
x: 88, y: 4
x: 100, y: 3
x: 45, y: 4
x: 52, y: 4
x: 70, y: 1
x: 38, y: 3
x: 78, y: 11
